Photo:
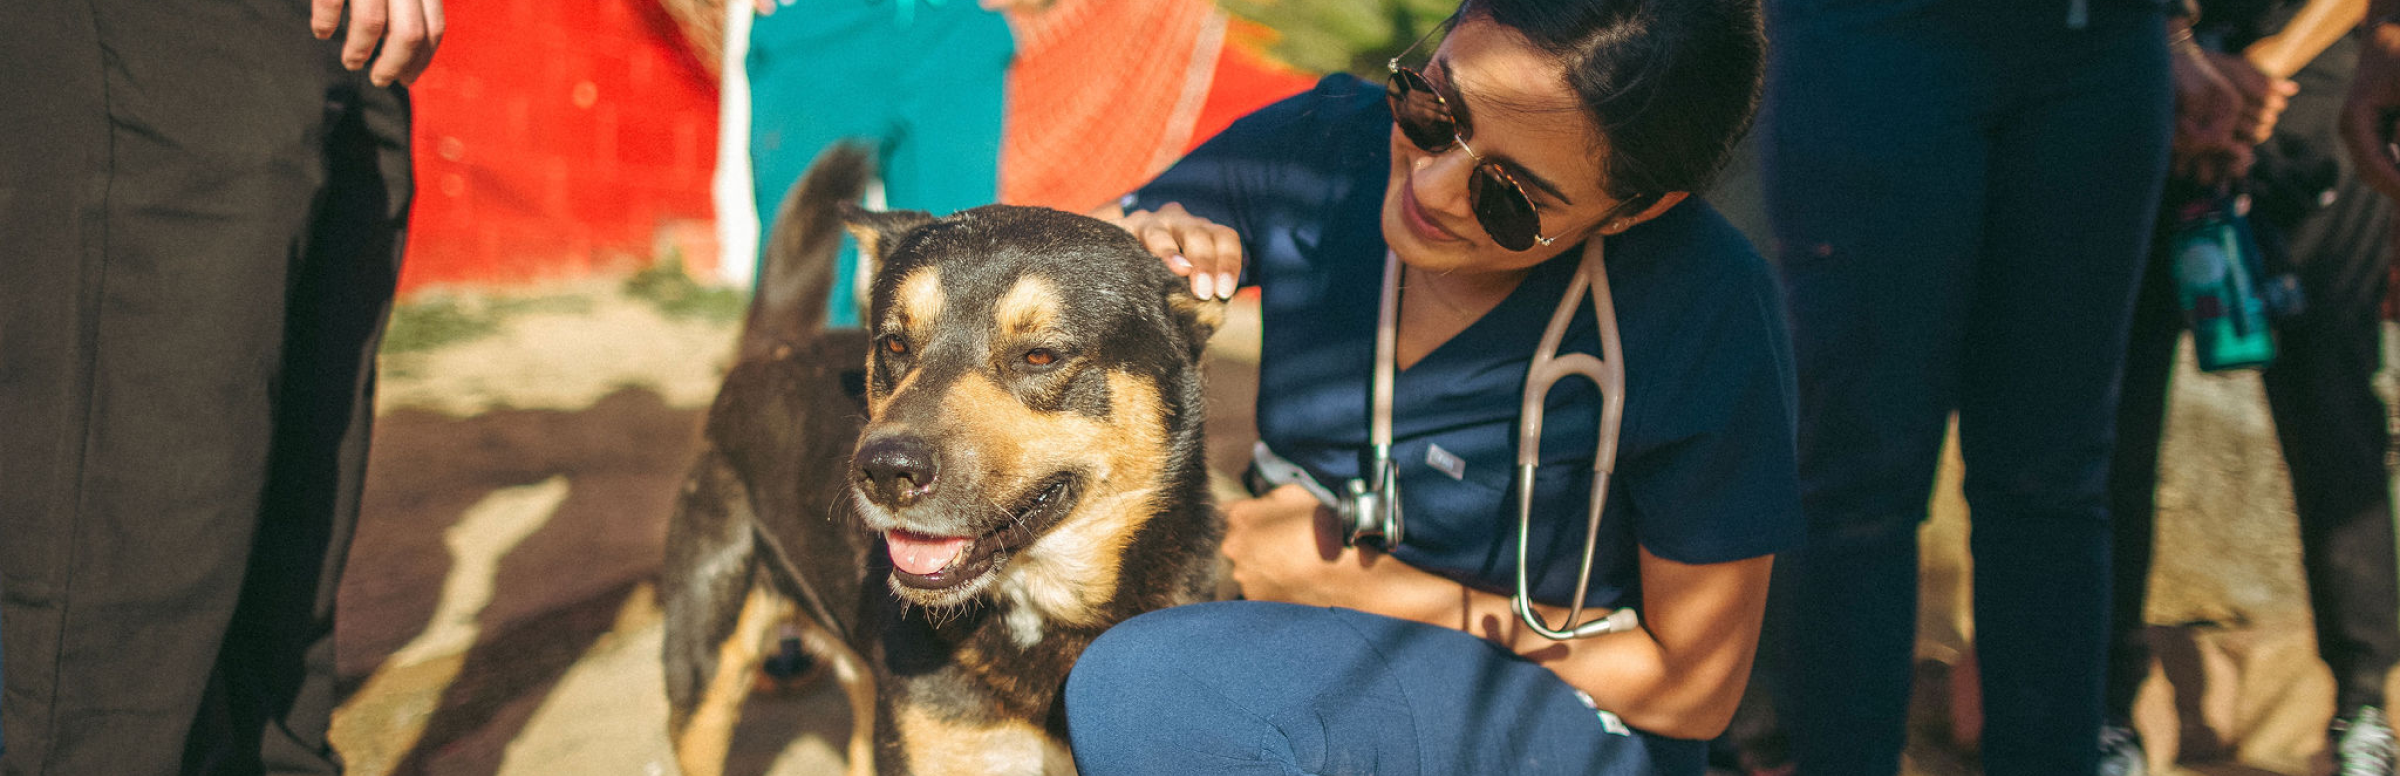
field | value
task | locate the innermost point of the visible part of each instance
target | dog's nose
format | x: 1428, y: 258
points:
x: 896, y: 470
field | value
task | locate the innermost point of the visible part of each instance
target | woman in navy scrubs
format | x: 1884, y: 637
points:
x: 1606, y: 115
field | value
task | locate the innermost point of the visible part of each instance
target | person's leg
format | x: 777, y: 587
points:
x: 58, y: 130
x: 2327, y: 415
x: 1267, y: 688
x: 1874, y: 173
x: 131, y: 506
x: 951, y: 102
x: 2133, y: 479
x: 2077, y: 167
x: 274, y: 685
x: 823, y: 72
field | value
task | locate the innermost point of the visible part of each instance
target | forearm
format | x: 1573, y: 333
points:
x: 1687, y: 693
x: 2316, y: 26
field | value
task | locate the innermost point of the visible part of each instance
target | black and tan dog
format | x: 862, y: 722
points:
x: 1017, y: 467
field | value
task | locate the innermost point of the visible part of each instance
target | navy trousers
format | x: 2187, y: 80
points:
x: 1962, y: 193
x: 1248, y: 687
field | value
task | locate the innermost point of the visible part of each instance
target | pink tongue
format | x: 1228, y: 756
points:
x: 920, y: 554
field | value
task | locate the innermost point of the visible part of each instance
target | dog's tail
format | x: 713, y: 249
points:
x: 796, y: 279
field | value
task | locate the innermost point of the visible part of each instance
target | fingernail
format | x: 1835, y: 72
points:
x: 1178, y: 263
x: 1225, y: 285
x: 1203, y: 285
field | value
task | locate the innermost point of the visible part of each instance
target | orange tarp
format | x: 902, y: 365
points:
x: 1106, y: 93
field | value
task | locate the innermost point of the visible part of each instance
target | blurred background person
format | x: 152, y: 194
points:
x: 2309, y: 209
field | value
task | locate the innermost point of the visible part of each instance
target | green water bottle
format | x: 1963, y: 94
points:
x: 2216, y: 280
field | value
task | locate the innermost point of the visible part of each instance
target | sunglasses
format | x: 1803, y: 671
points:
x: 1425, y: 119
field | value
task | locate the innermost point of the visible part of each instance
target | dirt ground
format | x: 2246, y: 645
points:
x: 498, y: 617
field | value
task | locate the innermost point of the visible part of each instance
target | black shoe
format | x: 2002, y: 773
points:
x: 2121, y: 751
x: 2361, y: 742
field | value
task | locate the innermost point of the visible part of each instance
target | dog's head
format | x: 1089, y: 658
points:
x: 1032, y: 401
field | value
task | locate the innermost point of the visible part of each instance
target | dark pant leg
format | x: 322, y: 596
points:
x: 2331, y: 425
x: 2327, y: 415
x: 1874, y: 179
x: 50, y: 184
x: 2133, y: 478
x: 2077, y: 165
x: 164, y: 372
x: 274, y: 690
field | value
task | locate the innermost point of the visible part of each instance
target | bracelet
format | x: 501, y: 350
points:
x: 2181, y: 40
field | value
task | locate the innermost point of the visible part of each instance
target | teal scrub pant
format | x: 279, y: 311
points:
x: 922, y: 80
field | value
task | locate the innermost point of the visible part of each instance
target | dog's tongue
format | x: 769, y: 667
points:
x: 920, y: 554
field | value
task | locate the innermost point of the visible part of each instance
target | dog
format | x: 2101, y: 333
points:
x: 953, y: 502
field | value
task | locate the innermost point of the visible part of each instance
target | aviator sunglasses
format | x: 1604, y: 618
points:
x: 1425, y: 119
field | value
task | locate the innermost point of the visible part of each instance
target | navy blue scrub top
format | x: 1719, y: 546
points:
x: 1705, y: 468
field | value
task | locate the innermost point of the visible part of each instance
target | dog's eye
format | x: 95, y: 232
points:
x: 1041, y: 356
x: 894, y: 346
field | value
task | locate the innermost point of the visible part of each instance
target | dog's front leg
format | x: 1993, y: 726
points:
x: 707, y: 735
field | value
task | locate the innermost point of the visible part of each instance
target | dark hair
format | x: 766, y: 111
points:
x: 1670, y: 83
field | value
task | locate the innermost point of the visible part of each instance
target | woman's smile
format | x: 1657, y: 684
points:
x: 1419, y: 222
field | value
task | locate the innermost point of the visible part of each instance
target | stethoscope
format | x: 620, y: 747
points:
x: 1369, y: 510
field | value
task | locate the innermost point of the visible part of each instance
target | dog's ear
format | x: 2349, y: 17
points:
x: 1198, y: 318
x: 878, y: 230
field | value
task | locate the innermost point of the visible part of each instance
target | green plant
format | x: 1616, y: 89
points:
x: 673, y: 292
x: 1357, y: 36
x: 434, y: 321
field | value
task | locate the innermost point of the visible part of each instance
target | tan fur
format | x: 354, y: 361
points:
x: 920, y: 303
x: 702, y: 741
x: 1209, y: 313
x: 858, y: 682
x: 918, y: 310
x: 1072, y: 570
x: 870, y: 242
x: 943, y: 747
x: 1029, y: 308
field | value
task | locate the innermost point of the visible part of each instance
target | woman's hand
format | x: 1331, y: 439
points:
x: 2207, y: 110
x: 2263, y: 96
x: 1206, y: 251
x: 1283, y: 549
x: 399, y: 35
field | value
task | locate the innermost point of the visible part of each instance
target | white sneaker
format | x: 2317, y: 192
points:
x: 2362, y: 743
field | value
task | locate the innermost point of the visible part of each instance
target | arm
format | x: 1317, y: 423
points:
x: 2316, y: 26
x: 2207, y: 111
x: 2262, y: 73
x: 406, y: 31
x: 1680, y: 675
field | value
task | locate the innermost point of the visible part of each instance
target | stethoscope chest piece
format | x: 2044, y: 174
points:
x: 1370, y: 511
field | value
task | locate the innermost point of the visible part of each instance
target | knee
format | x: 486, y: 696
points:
x: 1132, y: 665
x: 1159, y: 683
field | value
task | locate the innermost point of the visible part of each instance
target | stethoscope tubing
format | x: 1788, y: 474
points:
x: 1607, y: 372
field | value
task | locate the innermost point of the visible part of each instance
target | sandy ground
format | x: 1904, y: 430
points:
x: 499, y: 616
